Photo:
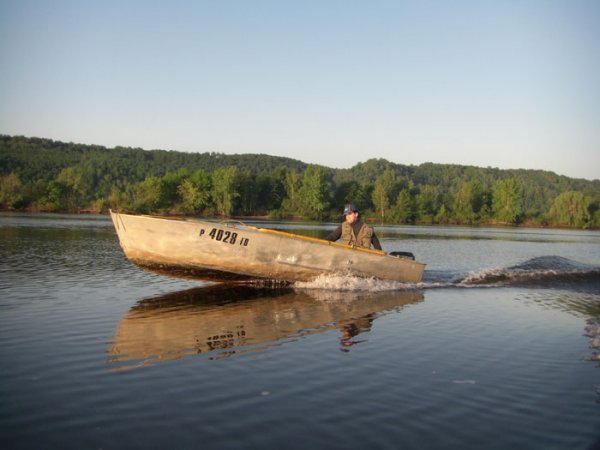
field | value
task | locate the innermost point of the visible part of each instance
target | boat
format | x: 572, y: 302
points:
x: 232, y: 250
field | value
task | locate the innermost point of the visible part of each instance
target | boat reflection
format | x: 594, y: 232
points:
x: 223, y: 320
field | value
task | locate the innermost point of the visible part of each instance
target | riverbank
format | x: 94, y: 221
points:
x: 298, y: 218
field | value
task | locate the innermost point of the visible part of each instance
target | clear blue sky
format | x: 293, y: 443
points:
x: 508, y: 84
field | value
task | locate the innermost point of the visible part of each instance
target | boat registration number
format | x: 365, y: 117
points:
x: 225, y: 236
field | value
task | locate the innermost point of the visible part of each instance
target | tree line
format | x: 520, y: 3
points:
x: 45, y: 175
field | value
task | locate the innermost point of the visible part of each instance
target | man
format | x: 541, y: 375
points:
x: 354, y: 231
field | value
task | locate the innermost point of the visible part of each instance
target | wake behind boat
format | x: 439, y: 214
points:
x: 235, y: 251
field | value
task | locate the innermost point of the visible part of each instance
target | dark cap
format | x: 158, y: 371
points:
x: 349, y: 208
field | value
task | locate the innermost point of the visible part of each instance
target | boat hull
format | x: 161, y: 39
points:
x: 234, y: 251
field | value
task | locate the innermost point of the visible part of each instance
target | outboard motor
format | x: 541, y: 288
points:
x: 407, y: 255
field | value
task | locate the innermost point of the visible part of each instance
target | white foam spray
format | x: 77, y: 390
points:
x: 341, y: 282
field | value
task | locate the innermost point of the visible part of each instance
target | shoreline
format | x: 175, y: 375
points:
x: 295, y: 218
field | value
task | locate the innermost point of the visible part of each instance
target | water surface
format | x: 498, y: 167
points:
x: 495, y: 349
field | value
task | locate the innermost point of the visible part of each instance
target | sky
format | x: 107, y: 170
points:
x: 508, y: 84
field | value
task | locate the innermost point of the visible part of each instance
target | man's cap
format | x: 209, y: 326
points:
x: 349, y: 208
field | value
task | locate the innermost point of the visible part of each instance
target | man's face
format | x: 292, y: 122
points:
x: 351, y: 217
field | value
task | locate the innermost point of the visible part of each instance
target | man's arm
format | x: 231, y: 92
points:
x: 375, y: 242
x: 335, y: 234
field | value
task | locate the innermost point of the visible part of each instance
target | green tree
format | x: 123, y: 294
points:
x: 506, y: 204
x: 382, y: 192
x: 169, y: 187
x: 313, y: 193
x: 194, y: 192
x: 10, y: 191
x: 54, y: 198
x: 224, y: 189
x: 594, y: 210
x: 403, y: 210
x: 76, y: 186
x: 116, y: 199
x: 462, y: 208
x: 427, y: 203
x: 146, y: 196
x: 478, y: 198
x: 485, y: 211
x: 269, y: 191
x: 292, y: 183
x: 278, y: 191
x: 352, y: 192
x: 442, y: 216
x: 595, y: 220
x: 248, y: 189
x: 191, y: 197
x: 571, y: 208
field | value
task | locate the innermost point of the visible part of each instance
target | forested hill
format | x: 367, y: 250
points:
x: 37, y: 158
x: 47, y: 175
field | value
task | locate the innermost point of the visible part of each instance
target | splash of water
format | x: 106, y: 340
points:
x: 341, y: 282
x: 543, y: 270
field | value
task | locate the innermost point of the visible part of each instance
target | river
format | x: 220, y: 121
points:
x: 496, y: 348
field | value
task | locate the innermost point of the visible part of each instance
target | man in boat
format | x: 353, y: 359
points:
x: 354, y: 231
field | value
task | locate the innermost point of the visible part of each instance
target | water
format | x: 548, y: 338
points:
x: 496, y: 348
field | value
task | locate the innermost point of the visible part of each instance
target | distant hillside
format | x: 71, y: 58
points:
x: 38, y: 158
x: 51, y: 175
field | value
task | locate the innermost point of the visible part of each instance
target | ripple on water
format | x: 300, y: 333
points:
x: 498, y: 367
